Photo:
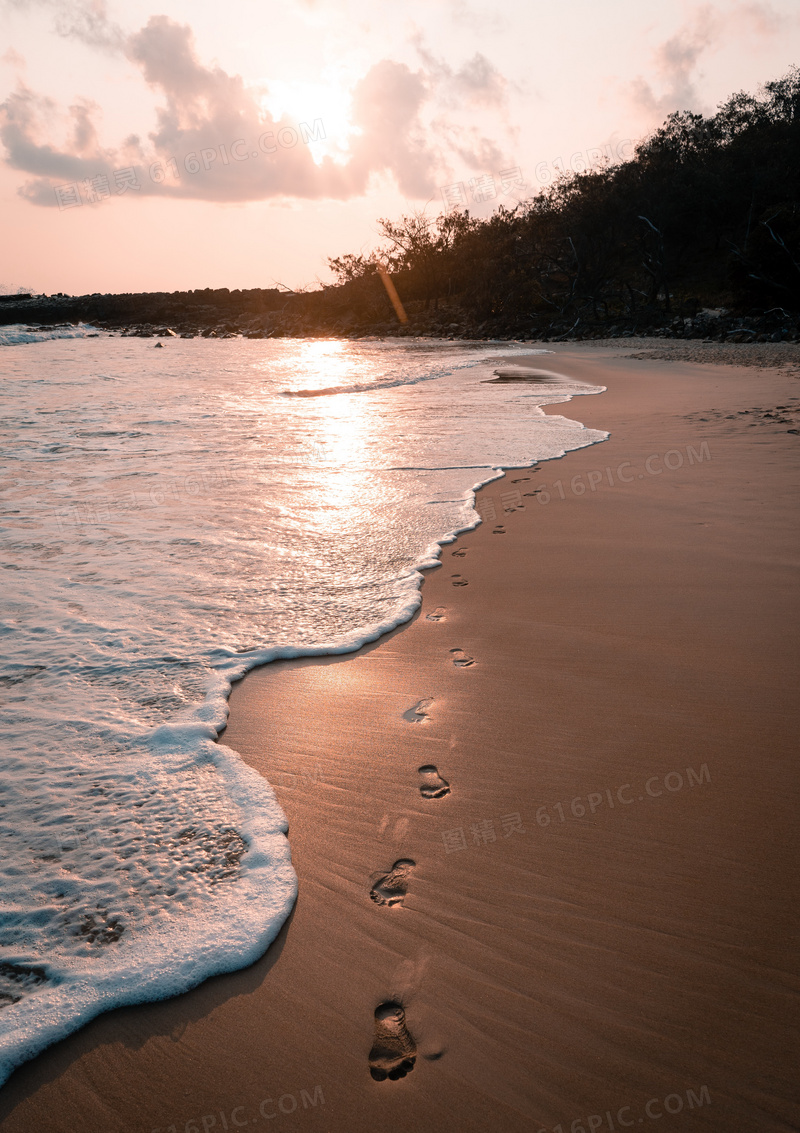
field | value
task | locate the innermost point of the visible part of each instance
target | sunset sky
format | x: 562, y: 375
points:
x: 174, y: 144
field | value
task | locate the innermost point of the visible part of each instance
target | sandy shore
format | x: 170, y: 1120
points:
x: 598, y: 923
x: 760, y: 355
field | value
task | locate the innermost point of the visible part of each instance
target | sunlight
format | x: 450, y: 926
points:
x: 328, y: 432
x: 301, y: 101
x: 338, y: 437
x: 341, y: 431
x: 326, y: 363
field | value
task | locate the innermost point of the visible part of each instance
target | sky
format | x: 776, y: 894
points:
x: 162, y: 145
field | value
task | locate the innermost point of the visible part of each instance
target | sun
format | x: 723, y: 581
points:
x: 311, y: 102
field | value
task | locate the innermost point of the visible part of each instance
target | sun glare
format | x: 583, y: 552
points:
x: 325, y: 363
x: 309, y: 102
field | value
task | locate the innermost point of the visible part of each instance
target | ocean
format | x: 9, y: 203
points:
x: 170, y: 519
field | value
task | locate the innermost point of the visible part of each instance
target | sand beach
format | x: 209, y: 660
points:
x: 581, y: 914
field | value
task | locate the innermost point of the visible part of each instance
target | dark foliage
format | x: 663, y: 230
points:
x: 706, y: 212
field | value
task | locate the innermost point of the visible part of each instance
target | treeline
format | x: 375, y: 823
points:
x: 705, y: 214
x: 189, y: 310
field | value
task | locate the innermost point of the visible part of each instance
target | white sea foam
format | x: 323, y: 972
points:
x: 171, y: 519
x: 16, y: 334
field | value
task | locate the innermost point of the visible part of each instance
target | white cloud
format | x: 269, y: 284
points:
x: 222, y: 145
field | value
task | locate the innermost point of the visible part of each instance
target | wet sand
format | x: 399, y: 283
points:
x: 595, y: 924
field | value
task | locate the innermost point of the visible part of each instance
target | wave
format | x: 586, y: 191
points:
x: 389, y: 383
x: 17, y: 334
x: 525, y: 374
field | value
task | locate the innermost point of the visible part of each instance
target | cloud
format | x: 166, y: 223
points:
x: 676, y: 60
x: 12, y: 58
x: 386, y: 107
x: 86, y: 20
x: 477, y: 82
x: 477, y: 88
x: 480, y: 81
x: 215, y: 141
x: 21, y: 119
x: 761, y: 19
x: 474, y: 149
x: 480, y: 20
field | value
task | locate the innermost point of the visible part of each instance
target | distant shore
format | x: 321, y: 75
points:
x: 271, y: 313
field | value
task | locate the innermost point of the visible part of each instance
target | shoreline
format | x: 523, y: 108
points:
x: 492, y: 956
x: 653, y: 346
x: 277, y: 313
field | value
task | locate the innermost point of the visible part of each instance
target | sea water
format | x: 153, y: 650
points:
x: 171, y: 518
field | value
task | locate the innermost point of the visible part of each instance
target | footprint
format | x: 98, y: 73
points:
x: 419, y: 712
x: 394, y: 829
x: 499, y: 530
x: 394, y: 1052
x: 437, y: 615
x: 460, y: 658
x: 459, y: 580
x: 460, y: 553
x: 433, y: 786
x: 521, y: 480
x: 393, y: 886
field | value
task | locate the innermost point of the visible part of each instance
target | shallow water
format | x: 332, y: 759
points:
x: 170, y: 519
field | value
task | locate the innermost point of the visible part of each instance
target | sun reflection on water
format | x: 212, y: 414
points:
x: 337, y: 431
x: 326, y: 363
